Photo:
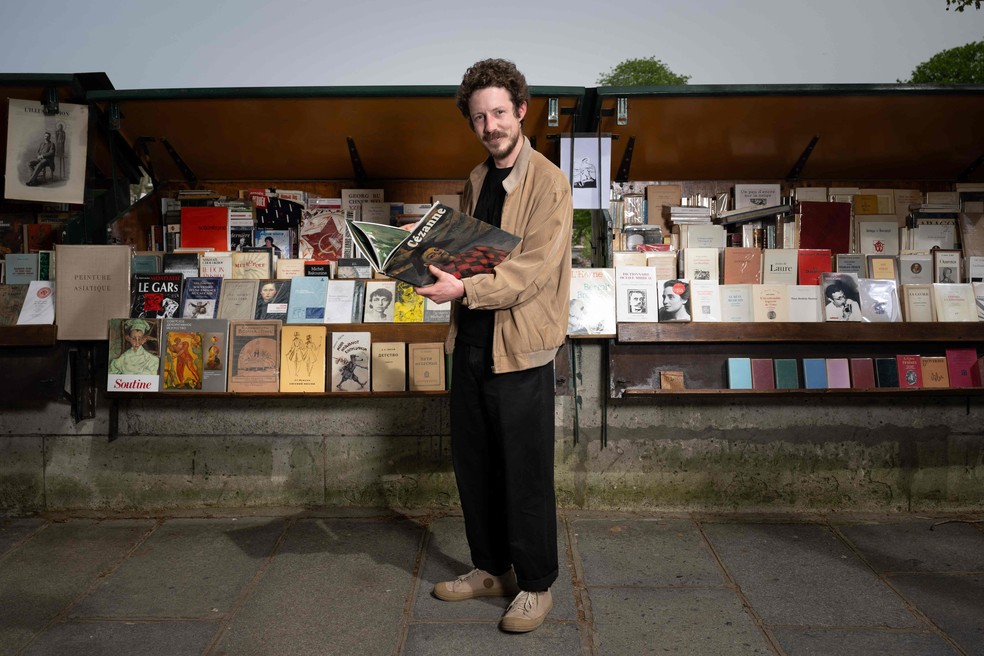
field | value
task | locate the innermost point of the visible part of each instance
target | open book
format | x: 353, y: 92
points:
x: 454, y: 242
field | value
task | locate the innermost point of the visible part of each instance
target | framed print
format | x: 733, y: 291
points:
x: 46, y: 153
x: 883, y: 267
x: 946, y: 266
x: 590, y: 159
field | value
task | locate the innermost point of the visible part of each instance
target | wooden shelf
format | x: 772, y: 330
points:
x: 885, y: 391
x: 21, y: 336
x: 279, y: 395
x: 951, y: 332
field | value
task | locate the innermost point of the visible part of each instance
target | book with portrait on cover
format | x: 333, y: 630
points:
x: 451, y: 240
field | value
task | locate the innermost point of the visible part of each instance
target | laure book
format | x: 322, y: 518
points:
x: 451, y: 240
x: 195, y: 353
x: 93, y: 286
x: 303, y: 354
x: 254, y: 356
x: 134, y: 355
x: 155, y: 295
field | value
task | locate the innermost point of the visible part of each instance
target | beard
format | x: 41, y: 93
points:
x: 504, y: 146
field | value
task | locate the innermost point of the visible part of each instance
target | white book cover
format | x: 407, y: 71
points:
x: 817, y: 194
x: 592, y: 302
x: 664, y: 262
x: 705, y: 300
x: 770, y: 303
x: 736, y: 303
x: 878, y: 237
x: 954, y: 301
x: 350, y: 361
x: 339, y: 300
x: 708, y: 235
x: 926, y: 237
x: 636, y: 295
x: 879, y: 300
x: 702, y: 264
x: 918, y: 302
x: 779, y: 266
x: 215, y: 264
x: 979, y: 299
x: 39, y: 304
x: 805, y: 304
x: 756, y: 195
x: 915, y: 268
x: 975, y: 268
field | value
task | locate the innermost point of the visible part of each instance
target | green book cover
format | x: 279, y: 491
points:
x: 787, y: 374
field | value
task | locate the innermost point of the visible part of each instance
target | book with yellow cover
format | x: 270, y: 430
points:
x: 409, y: 305
x: 303, y: 354
x: 934, y: 371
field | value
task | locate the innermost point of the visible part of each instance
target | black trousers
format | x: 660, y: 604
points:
x: 502, y: 447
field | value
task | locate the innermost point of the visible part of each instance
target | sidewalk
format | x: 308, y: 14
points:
x: 348, y: 583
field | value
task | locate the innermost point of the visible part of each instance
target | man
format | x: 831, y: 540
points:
x: 505, y: 331
x: 840, y: 307
x: 637, y: 301
x: 45, y: 159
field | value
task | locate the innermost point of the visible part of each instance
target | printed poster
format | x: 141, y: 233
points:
x: 592, y: 165
x: 46, y: 154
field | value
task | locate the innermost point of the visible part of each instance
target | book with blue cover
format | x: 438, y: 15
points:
x: 308, y: 295
x: 815, y: 373
x: 200, y: 297
x: 739, y: 373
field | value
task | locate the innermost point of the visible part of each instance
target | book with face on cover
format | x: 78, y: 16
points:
x: 134, y: 355
x: 408, y: 305
x: 592, y: 302
x: 638, y: 300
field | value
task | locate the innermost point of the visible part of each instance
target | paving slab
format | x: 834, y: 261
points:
x: 172, y: 638
x: 954, y: 603
x: 188, y: 568
x: 645, y: 552
x: 485, y: 639
x: 44, y: 575
x: 335, y: 586
x: 636, y: 620
x: 844, y: 642
x: 918, y: 547
x: 803, y: 575
x: 13, y: 531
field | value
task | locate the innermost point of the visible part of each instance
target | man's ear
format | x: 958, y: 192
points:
x: 521, y: 111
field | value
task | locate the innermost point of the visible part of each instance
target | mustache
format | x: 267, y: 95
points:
x: 494, y: 135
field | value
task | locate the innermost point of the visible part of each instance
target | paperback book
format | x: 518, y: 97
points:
x: 592, y: 302
x: 303, y: 357
x: 254, y: 356
x: 134, y: 355
x: 155, y: 295
x: 194, y: 353
x: 350, y: 361
x: 200, y: 298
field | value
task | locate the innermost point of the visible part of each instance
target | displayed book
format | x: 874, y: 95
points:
x: 292, y: 268
x: 744, y: 215
x: 707, y: 235
x: 379, y: 300
x: 278, y: 240
x: 11, y: 301
x: 736, y: 303
x: 918, y: 302
x: 319, y: 268
x: 974, y: 266
x: 350, y: 361
x: 811, y: 264
x: 93, y: 283
x: 805, y: 303
x: 435, y: 312
x: 592, y: 302
x: 877, y: 236
x: 780, y: 266
x: 306, y: 300
x: 770, y: 303
x: 954, y: 302
x: 352, y: 199
x: 825, y: 226
x: 851, y: 263
x: 254, y: 356
x: 960, y: 363
x: 273, y: 299
x: 21, y: 268
x: 215, y: 264
x: 134, y: 355
x: 155, y: 295
x: 38, y: 308
x: 787, y: 373
x: 205, y: 227
x: 342, y: 303
x: 46, y: 265
x: 425, y: 366
x: 389, y: 366
x: 40, y: 237
x: 408, y: 306
x: 971, y: 229
x: 237, y: 299
x: 838, y: 373
x: 879, y: 300
x: 637, y: 298
x: 450, y: 240
x: 756, y: 195
x: 862, y: 373
x: 705, y: 300
x: 146, y: 262
x: 763, y: 374
x: 353, y: 268
x: 742, y: 265
x: 946, y: 266
x: 910, y: 371
x: 674, y: 304
x: 200, y: 297
x: 915, y: 268
x: 810, y: 193
x: 303, y: 359
x: 624, y: 258
x: 884, y: 267
x: 815, y: 373
x: 663, y: 262
x: 194, y: 353
x: 701, y: 263
x: 842, y: 298
x: 739, y: 373
x: 979, y: 299
x: 934, y: 371
x: 252, y: 264
x: 886, y: 372
x: 659, y: 198
x: 185, y: 263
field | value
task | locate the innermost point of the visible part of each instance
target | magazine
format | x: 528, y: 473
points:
x: 454, y: 242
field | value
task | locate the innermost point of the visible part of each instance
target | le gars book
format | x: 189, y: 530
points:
x: 454, y: 242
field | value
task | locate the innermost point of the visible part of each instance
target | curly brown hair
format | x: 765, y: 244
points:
x: 492, y: 73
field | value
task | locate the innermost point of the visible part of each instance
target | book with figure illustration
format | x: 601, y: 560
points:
x: 451, y: 240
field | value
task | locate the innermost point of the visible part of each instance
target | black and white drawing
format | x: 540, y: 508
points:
x: 46, y: 153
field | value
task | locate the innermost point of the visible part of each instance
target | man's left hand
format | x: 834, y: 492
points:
x: 446, y: 288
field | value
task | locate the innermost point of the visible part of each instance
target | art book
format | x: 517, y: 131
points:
x: 46, y: 154
x: 155, y: 295
x: 273, y: 299
x: 303, y: 352
x: 93, y: 283
x: 254, y: 356
x: 451, y: 240
x: 200, y: 297
x: 134, y: 355
x: 592, y: 302
x: 322, y: 234
x: 408, y: 306
x: 195, y: 352
x: 205, y: 227
x: 350, y: 361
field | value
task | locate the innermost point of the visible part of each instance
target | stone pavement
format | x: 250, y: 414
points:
x: 276, y: 582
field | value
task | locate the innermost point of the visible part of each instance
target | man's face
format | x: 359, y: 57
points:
x: 837, y: 298
x: 497, y: 123
x: 636, y: 300
x: 268, y: 292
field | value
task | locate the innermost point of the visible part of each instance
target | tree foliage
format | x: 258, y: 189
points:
x: 960, y: 5
x: 961, y: 65
x: 647, y: 71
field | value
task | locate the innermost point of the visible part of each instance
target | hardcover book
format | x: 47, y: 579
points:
x: 812, y: 264
x: 787, y: 373
x: 303, y: 359
x: 39, y: 304
x: 272, y: 300
x: 763, y: 374
x: 780, y: 266
x: 910, y: 371
x: 254, y: 356
x: 134, y: 355
x: 736, y: 303
x: 934, y: 371
x: 592, y: 302
x: 146, y: 262
x: 155, y: 295
x: 205, y: 227
x: 195, y: 352
x: 838, y: 373
x: 200, y: 298
x: 825, y: 226
x: 389, y: 367
x: 454, y: 242
x: 93, y: 284
x: 672, y: 380
x: 637, y: 297
x: 237, y: 299
x: 883, y: 267
x: 308, y: 295
x: 742, y: 265
x: 960, y: 363
x: 739, y: 373
x: 886, y: 372
x: 425, y: 366
x: 705, y: 300
x: 815, y: 373
x: 862, y: 373
x: 380, y: 296
x: 350, y: 361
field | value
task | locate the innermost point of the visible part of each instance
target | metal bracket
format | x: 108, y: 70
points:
x: 180, y: 163
x: 83, y: 389
x: 794, y: 172
x: 623, y: 168
x: 115, y: 117
x: 50, y: 101
x: 357, y: 168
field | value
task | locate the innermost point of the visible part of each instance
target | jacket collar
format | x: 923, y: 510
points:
x: 520, y: 167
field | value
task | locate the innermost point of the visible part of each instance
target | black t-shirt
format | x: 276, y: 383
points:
x: 475, y: 326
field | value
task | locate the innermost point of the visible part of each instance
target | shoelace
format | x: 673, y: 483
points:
x: 529, y: 599
x: 464, y: 577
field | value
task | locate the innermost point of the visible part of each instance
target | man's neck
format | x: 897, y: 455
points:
x: 509, y: 160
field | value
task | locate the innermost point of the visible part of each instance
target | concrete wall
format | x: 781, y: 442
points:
x: 868, y: 452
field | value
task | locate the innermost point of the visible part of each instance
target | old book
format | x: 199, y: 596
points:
x: 960, y: 363
x: 838, y: 373
x: 954, y: 302
x: 701, y: 263
x: 352, y: 199
x: 739, y: 373
x: 205, y: 227
x: 974, y: 266
x: 862, y: 373
x: 379, y: 301
x: 756, y: 195
x: 11, y: 301
x: 425, y: 366
x: 134, y: 355
x: 946, y: 266
x: 706, y: 235
x: 637, y: 298
x: 815, y: 373
x: 770, y: 303
x: 663, y: 262
x: 146, y: 262
x: 200, y: 298
x: 886, y: 372
x: 851, y: 263
x: 780, y: 266
x: 254, y: 356
x: 825, y: 226
x: 877, y: 235
x: 436, y: 312
x: 195, y: 353
x: 273, y: 299
x: 934, y: 371
x: 389, y: 367
x: 879, y: 300
x: 21, y: 268
x: 918, y: 303
x: 340, y: 301
x: 763, y: 374
x: 592, y: 302
x: 736, y: 303
x: 742, y: 265
x: 971, y: 229
x: 672, y: 380
x: 306, y: 300
x: 659, y: 198
x: 215, y: 265
x: 449, y: 239
x: 292, y: 268
x: 40, y: 237
x: 408, y: 306
x: 237, y: 299
x: 910, y: 370
x: 93, y: 286
x: 155, y: 295
x: 184, y: 263
x: 252, y: 264
x: 705, y: 300
x: 805, y: 303
x: 818, y: 194
x: 350, y: 361
x: 787, y: 373
x: 915, y: 268
x: 303, y: 359
x: 842, y: 297
x: 46, y: 265
x: 811, y: 264
x: 624, y: 258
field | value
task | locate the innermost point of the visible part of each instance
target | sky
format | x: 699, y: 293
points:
x: 163, y: 44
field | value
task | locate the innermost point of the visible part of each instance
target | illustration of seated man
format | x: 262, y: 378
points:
x: 45, y: 160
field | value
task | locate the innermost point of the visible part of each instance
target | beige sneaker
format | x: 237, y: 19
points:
x: 526, y: 612
x: 477, y: 583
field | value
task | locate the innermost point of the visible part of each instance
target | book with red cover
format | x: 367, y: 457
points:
x: 910, y: 371
x: 960, y: 364
x: 862, y: 373
x: 763, y: 376
x: 825, y: 225
x: 811, y: 263
x: 205, y: 227
x: 838, y: 373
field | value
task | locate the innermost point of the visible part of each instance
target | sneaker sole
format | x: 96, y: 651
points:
x: 517, y: 625
x: 464, y: 596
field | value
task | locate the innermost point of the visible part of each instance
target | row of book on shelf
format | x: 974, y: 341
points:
x: 265, y: 356
x: 958, y: 368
